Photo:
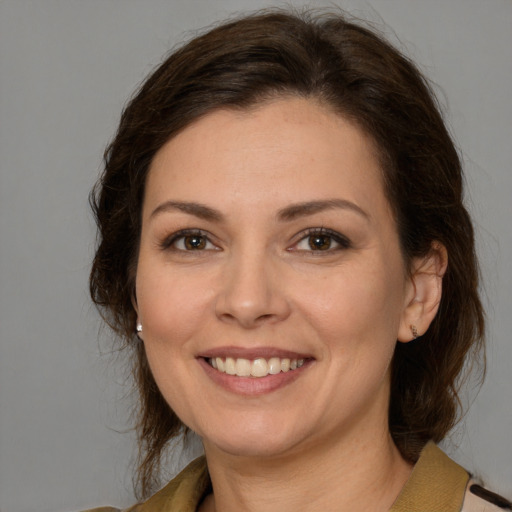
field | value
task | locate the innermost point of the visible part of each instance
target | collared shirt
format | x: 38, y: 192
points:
x: 436, y: 484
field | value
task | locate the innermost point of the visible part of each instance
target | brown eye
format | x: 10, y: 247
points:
x: 194, y: 242
x: 189, y: 241
x: 319, y: 242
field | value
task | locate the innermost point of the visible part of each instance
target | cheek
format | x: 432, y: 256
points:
x: 170, y: 305
x: 172, y: 312
x: 355, y: 304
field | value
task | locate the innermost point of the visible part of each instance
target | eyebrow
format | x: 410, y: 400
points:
x: 286, y: 214
x: 311, y: 207
x: 198, y: 210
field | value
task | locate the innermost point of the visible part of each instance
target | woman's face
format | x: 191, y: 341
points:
x: 268, y: 243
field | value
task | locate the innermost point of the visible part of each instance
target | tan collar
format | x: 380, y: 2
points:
x: 436, y: 484
x: 183, y: 493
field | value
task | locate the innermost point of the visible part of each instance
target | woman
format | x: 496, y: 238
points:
x: 284, y: 246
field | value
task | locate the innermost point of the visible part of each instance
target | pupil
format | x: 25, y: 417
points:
x: 321, y: 242
x: 195, y: 242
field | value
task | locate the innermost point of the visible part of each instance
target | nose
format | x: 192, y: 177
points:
x: 251, y: 293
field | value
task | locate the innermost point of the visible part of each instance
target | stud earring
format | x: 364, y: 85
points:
x: 139, y: 327
x: 413, y: 330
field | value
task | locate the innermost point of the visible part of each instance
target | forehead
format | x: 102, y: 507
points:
x: 288, y: 150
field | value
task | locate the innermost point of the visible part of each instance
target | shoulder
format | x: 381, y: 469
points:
x: 437, y: 483
x: 479, y: 499
x: 183, y: 493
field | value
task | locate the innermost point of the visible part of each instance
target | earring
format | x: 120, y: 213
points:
x: 139, y: 327
x: 413, y: 330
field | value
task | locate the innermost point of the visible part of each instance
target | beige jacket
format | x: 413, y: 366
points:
x: 436, y: 484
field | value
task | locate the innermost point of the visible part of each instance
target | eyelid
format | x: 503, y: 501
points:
x: 342, y: 241
x: 168, y: 242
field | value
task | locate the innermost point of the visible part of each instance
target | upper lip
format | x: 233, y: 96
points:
x: 252, y: 353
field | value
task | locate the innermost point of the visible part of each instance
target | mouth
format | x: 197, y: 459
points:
x: 255, y: 371
x: 255, y: 368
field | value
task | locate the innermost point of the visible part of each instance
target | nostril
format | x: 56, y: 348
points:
x: 263, y: 318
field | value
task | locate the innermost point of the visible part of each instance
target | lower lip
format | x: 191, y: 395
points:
x: 253, y: 386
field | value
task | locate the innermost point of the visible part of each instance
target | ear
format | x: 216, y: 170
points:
x: 424, y: 293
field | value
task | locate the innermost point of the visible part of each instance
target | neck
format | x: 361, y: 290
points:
x: 360, y: 473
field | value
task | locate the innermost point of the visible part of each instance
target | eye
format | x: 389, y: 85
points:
x: 322, y: 240
x: 189, y: 240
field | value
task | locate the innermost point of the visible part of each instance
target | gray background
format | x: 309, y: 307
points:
x: 66, y: 69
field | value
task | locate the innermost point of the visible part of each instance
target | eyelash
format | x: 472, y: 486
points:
x: 343, y: 242
x: 169, y: 242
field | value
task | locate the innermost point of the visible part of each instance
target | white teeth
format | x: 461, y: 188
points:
x: 229, y: 366
x: 259, y: 367
x: 243, y: 367
x: 274, y: 366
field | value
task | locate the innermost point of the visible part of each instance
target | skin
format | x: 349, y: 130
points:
x: 255, y: 283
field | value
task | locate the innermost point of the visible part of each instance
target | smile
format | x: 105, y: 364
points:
x: 258, y: 368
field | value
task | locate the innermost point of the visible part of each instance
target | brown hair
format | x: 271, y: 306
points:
x: 357, y: 74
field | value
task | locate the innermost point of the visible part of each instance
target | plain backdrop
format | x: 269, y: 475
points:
x: 66, y: 69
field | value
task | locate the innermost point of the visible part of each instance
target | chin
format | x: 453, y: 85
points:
x: 268, y: 441
x: 250, y: 448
